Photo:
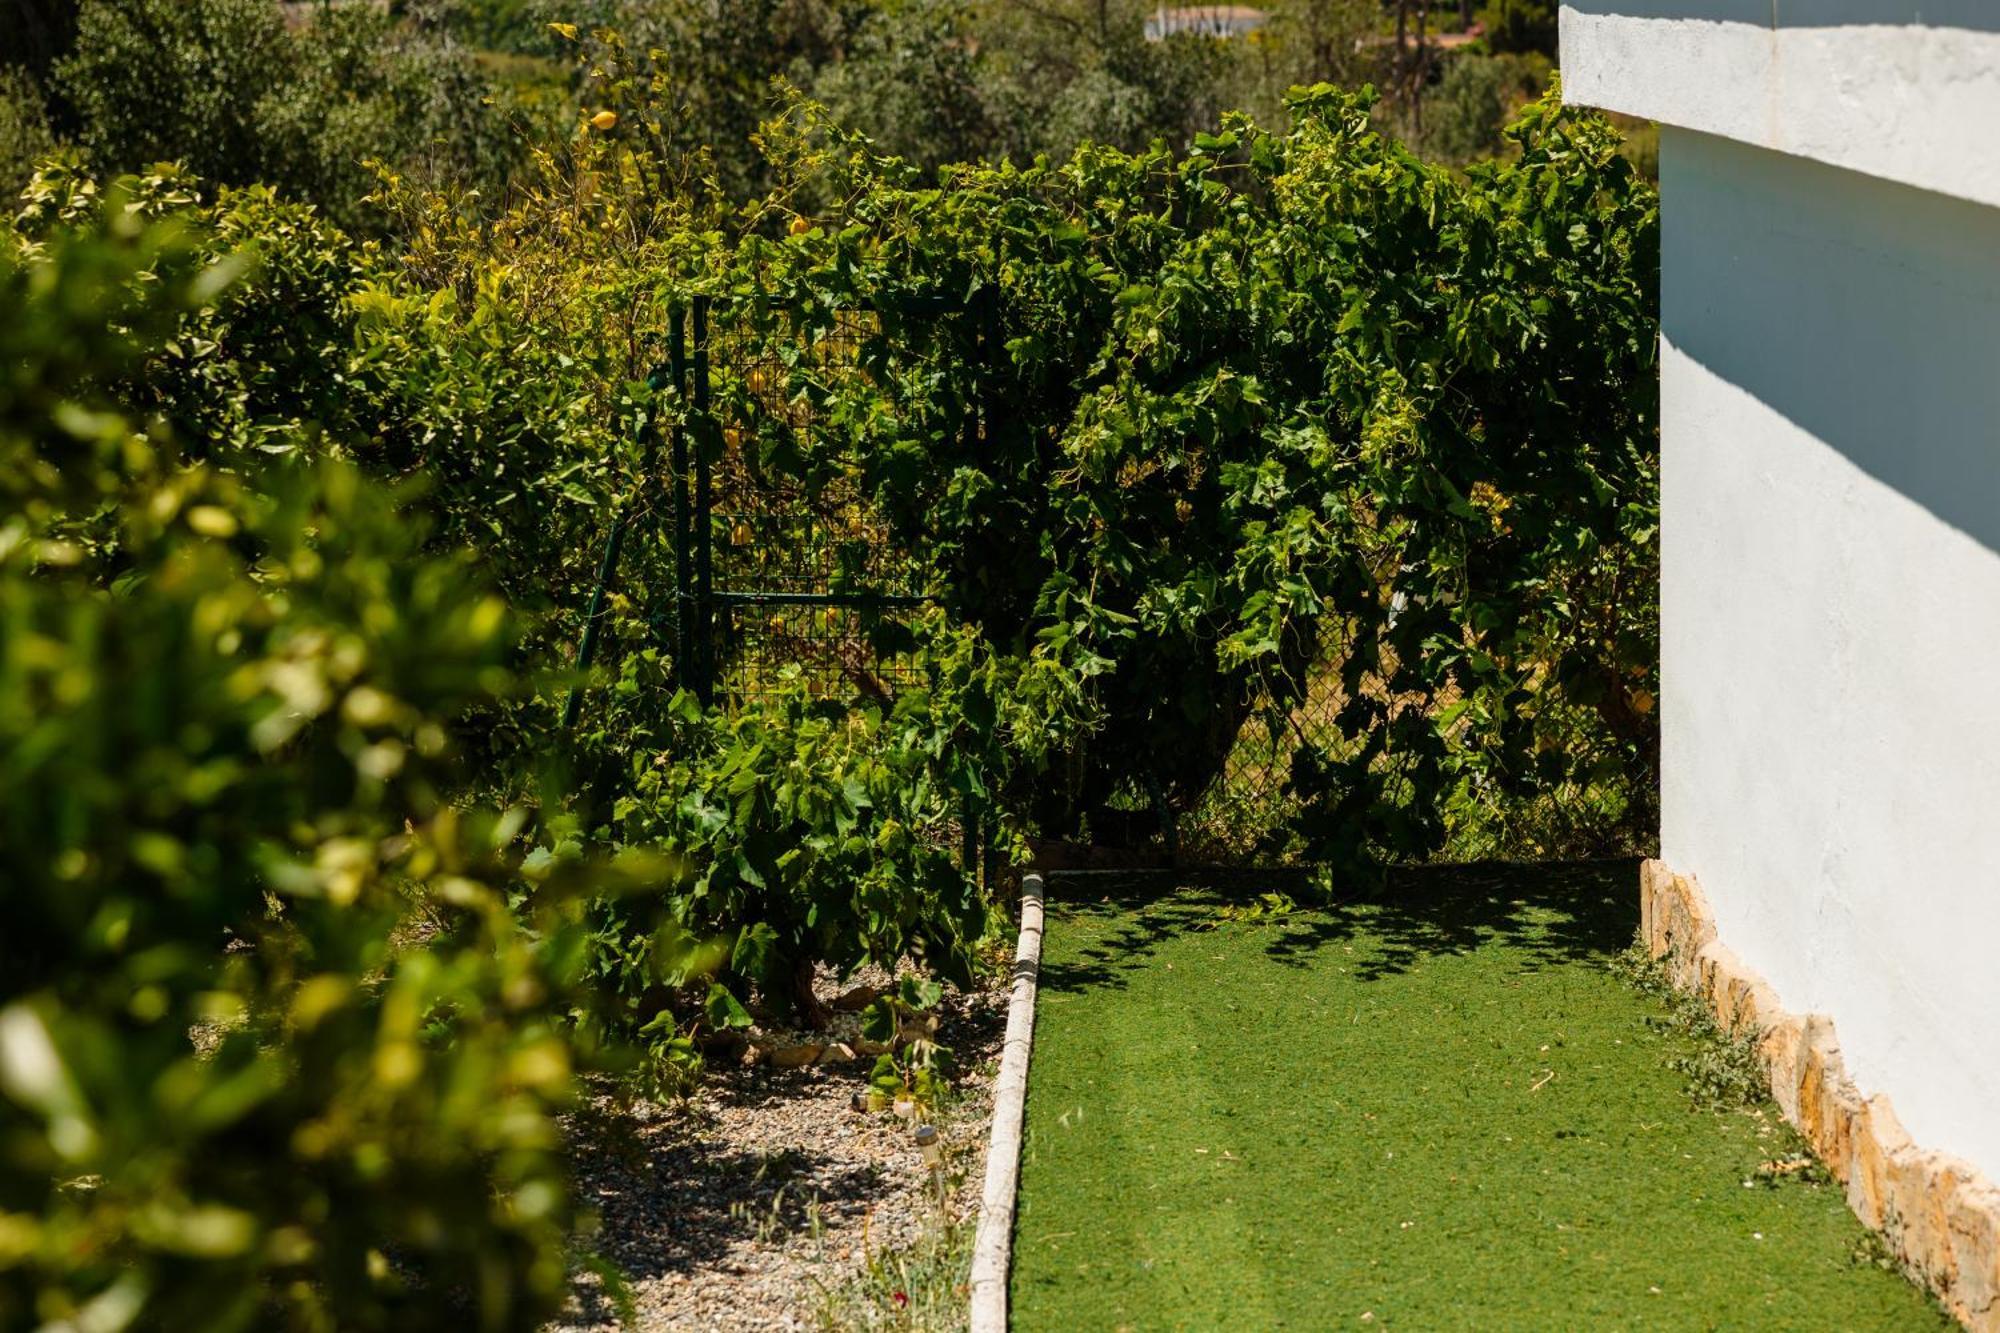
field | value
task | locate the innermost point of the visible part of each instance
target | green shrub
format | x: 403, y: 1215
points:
x: 1467, y: 112
x: 1296, y: 404
x: 258, y: 371
x: 408, y: 93
x: 320, y: 348
x: 274, y: 1051
x: 26, y: 136
x: 911, y: 78
x: 1521, y: 25
x: 222, y: 87
x: 816, y: 830
x: 161, y: 80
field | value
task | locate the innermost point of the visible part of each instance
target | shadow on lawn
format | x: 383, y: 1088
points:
x: 1550, y: 913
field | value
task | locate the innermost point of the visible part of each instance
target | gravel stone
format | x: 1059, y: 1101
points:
x: 738, y: 1208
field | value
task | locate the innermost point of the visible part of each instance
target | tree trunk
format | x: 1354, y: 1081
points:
x: 1420, y: 67
x: 811, y: 1013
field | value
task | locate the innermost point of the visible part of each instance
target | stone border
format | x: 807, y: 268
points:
x: 1939, y: 1214
x: 992, y: 1250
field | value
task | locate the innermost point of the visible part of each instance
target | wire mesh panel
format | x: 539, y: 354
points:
x: 804, y: 583
x: 1250, y: 813
x: 1246, y: 814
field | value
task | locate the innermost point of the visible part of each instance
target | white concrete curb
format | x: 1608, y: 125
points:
x: 993, y: 1248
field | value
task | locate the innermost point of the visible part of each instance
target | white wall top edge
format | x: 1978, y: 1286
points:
x: 1906, y: 90
x: 1977, y: 14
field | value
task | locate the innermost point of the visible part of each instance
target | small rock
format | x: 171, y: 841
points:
x: 792, y: 1057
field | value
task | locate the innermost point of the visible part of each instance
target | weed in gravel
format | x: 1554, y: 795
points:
x: 920, y: 1287
x: 615, y: 1287
x: 768, y: 1221
x: 777, y: 1168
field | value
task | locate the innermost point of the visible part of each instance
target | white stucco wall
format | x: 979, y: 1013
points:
x: 1831, y: 606
x: 1908, y: 90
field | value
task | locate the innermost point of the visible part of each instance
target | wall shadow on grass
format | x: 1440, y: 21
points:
x: 1547, y: 913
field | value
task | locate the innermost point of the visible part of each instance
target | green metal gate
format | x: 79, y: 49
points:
x: 784, y: 575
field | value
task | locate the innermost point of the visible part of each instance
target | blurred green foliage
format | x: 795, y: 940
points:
x: 1521, y: 25
x: 278, y: 1045
x: 26, y: 135
x: 1466, y: 112
x: 936, y: 82
x: 154, y: 81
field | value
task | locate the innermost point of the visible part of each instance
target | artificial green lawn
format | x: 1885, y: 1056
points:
x: 1440, y: 1110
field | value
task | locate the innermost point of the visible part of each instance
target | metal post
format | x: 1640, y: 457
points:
x: 586, y: 648
x: 704, y: 505
x: 683, y: 558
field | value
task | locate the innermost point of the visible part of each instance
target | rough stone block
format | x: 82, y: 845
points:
x: 1939, y: 1216
x: 1783, y: 1049
x: 1876, y: 1143
x: 1973, y: 1216
x: 1655, y: 882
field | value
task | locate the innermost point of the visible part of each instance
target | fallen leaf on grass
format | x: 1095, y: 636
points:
x: 1785, y: 1166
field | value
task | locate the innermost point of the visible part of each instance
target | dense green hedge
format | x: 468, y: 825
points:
x: 1296, y: 402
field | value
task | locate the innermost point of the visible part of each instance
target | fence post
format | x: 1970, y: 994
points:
x: 683, y: 556
x: 586, y: 648
x: 704, y: 505
x: 968, y: 835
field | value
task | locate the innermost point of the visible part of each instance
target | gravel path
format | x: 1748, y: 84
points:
x: 741, y: 1208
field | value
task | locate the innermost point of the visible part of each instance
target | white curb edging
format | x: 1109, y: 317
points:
x: 993, y: 1248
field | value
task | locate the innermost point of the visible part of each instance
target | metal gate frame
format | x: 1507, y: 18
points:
x: 691, y: 439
